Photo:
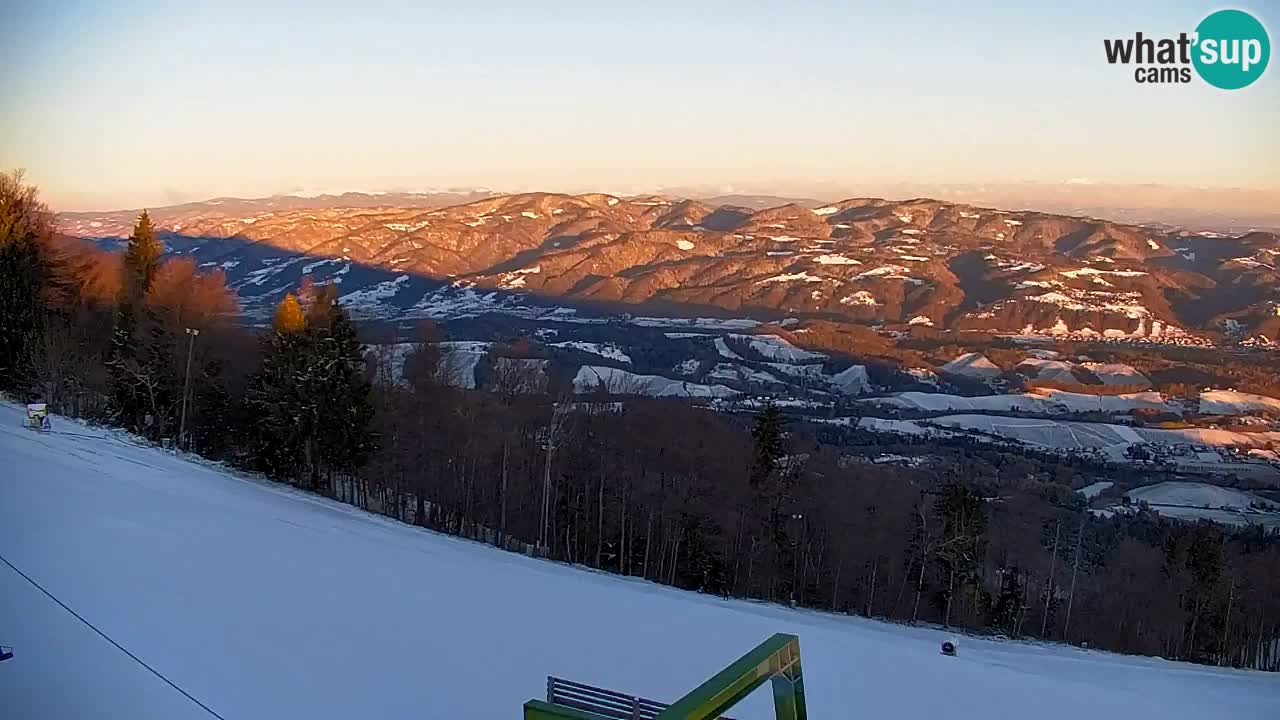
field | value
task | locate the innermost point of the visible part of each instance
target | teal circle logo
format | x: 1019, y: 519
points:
x: 1232, y: 49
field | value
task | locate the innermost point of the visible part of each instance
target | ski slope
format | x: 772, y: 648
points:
x: 267, y: 603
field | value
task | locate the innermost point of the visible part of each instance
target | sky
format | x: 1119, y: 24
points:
x: 122, y: 104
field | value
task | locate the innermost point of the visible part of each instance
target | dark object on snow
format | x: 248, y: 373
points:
x: 949, y: 648
x: 5, y: 653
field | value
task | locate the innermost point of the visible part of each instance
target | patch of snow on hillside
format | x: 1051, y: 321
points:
x: 593, y: 377
x: 406, y: 227
x: 1094, y: 271
x: 829, y: 210
x: 793, y: 277
x: 530, y: 214
x: 1199, y: 495
x: 687, y: 367
x: 262, y: 275
x: 1095, y: 489
x: 969, y: 215
x: 909, y: 231
x: 924, y: 376
x: 883, y: 271
x: 458, y: 361
x: 921, y: 320
x: 702, y: 323
x: 832, y: 259
x: 684, y: 245
x: 367, y: 300
x: 776, y: 348
x: 1117, y: 374
x: 605, y: 350
x: 723, y: 348
x: 808, y: 372
x: 973, y: 363
x: 1153, y: 244
x: 728, y: 372
x: 1042, y: 369
x: 785, y: 239
x: 852, y: 381
x: 862, y: 297
x: 516, y: 278
x: 1230, y: 402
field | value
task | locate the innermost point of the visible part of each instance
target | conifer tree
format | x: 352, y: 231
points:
x: 310, y: 398
x: 347, y: 410
x: 141, y: 258
x: 767, y: 434
x: 129, y: 367
x: 275, y: 396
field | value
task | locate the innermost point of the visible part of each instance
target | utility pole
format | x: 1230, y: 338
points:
x: 1053, y: 565
x: 1075, y: 567
x: 186, y: 388
x: 559, y: 411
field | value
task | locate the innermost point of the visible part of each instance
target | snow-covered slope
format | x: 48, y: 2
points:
x: 1047, y: 369
x: 1197, y: 495
x: 1047, y: 401
x: 266, y: 603
x: 1230, y: 402
x: 604, y: 350
x: 1093, y: 490
x: 778, y: 349
x: 621, y: 382
x: 973, y: 364
x: 1117, y: 374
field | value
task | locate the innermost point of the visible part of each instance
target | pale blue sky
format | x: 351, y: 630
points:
x: 112, y: 104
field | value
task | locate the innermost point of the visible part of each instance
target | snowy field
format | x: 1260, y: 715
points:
x: 1071, y: 435
x: 1046, y: 401
x: 267, y: 603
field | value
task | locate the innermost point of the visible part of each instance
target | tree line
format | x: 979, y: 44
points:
x: 761, y: 506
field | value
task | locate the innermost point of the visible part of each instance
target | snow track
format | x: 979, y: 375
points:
x: 264, y: 602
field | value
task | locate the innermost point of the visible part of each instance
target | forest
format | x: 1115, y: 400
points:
x: 762, y: 507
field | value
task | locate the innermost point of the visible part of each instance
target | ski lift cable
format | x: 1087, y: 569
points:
x: 106, y: 637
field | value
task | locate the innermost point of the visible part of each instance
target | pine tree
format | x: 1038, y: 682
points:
x: 132, y: 381
x: 347, y: 410
x: 767, y: 434
x: 26, y: 276
x: 311, y: 397
x: 275, y: 398
x: 141, y: 258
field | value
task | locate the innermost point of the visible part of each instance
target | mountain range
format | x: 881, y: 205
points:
x: 892, y: 264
